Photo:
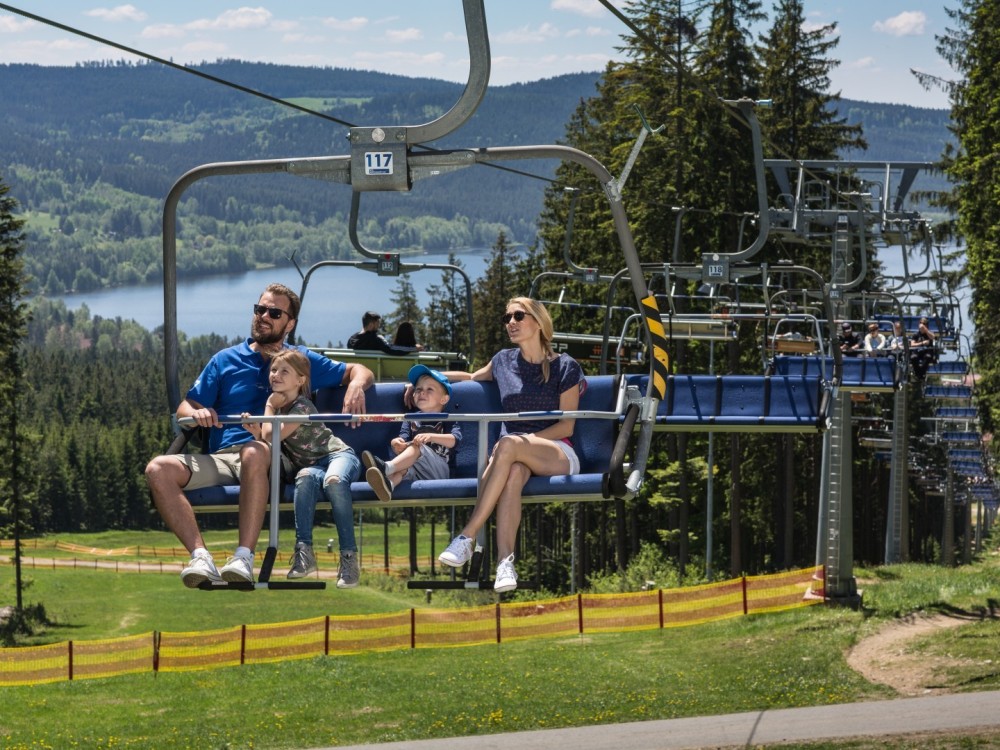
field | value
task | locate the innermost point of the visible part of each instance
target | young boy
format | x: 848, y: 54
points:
x: 422, y: 448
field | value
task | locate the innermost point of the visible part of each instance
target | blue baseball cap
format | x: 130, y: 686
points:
x: 418, y: 371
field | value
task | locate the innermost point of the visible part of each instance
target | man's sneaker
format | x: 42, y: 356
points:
x: 238, y: 569
x: 350, y: 570
x: 303, y: 561
x: 506, y: 579
x: 200, y: 569
x: 458, y: 553
x: 375, y: 476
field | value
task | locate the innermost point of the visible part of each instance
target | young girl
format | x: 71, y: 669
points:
x: 321, y: 461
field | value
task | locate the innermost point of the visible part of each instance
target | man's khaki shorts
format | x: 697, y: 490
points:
x: 211, y: 469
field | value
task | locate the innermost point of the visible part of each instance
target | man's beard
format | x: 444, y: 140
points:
x: 265, y: 339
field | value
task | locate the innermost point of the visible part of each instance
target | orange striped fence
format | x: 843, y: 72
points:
x: 411, y: 629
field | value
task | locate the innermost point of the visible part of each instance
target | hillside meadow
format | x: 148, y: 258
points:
x: 780, y: 660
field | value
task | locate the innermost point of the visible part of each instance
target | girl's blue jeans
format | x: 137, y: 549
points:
x: 330, y: 476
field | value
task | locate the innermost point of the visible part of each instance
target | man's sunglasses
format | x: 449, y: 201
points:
x: 517, y: 315
x: 274, y: 312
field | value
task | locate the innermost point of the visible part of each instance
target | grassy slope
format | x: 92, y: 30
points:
x: 782, y: 660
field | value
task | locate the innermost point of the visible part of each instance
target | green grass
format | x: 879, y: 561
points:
x: 773, y: 661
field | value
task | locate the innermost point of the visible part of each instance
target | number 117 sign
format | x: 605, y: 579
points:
x: 378, y: 162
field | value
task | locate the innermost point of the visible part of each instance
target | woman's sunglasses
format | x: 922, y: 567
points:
x: 274, y: 312
x: 517, y: 315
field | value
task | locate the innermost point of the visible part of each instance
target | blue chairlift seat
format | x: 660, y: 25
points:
x: 593, y: 440
x: 741, y: 403
x: 863, y: 374
x: 962, y: 392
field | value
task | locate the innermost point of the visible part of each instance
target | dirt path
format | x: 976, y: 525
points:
x: 885, y: 658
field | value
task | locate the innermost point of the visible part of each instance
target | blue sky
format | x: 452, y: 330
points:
x: 880, y: 40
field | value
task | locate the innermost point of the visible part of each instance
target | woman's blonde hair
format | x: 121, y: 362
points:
x: 299, y: 362
x: 537, y: 310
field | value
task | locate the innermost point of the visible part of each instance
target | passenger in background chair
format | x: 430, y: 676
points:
x: 406, y: 338
x: 850, y: 342
x: 369, y: 338
x: 875, y: 343
x: 235, y: 381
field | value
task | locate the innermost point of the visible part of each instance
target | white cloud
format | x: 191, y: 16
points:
x: 162, y: 31
x: 527, y: 35
x: 11, y: 25
x: 590, y: 8
x: 907, y: 23
x: 404, y: 35
x: 233, y: 20
x: 346, y: 24
x: 118, y: 13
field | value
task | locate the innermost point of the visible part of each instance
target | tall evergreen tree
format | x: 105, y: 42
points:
x: 14, y: 496
x: 407, y: 308
x: 971, y: 49
x: 493, y: 289
x: 448, y: 323
x: 795, y: 64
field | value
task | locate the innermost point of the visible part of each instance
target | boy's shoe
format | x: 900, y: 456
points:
x: 506, y: 579
x: 238, y: 569
x: 201, y: 568
x: 350, y: 570
x: 303, y: 561
x: 375, y: 476
x: 458, y: 553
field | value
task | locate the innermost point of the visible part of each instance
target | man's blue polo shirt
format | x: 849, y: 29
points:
x: 235, y: 380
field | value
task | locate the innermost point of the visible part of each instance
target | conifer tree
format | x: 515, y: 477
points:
x: 971, y: 49
x: 407, y: 307
x: 447, y: 317
x: 14, y: 499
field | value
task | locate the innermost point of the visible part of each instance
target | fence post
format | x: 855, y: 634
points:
x: 326, y: 638
x: 579, y: 613
x: 243, y: 644
x: 660, y: 592
x: 69, y: 654
x: 413, y: 627
x: 498, y: 621
x: 744, y: 581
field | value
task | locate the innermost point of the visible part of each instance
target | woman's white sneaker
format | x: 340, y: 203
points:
x: 458, y: 553
x: 506, y: 579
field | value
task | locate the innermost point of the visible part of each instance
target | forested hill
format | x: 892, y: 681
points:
x: 91, y: 151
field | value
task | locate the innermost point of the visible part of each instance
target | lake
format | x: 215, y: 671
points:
x: 331, y: 310
x: 333, y: 305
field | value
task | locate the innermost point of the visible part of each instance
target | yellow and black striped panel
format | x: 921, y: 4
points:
x: 658, y: 337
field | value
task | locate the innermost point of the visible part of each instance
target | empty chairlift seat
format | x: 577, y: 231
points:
x: 862, y: 374
x: 741, y: 403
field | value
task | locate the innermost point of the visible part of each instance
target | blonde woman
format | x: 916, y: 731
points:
x: 530, y: 377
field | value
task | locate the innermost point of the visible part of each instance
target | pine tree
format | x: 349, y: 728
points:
x: 447, y: 326
x: 14, y: 500
x: 801, y: 120
x: 407, y: 307
x: 971, y: 49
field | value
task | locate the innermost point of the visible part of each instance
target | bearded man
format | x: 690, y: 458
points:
x: 235, y: 381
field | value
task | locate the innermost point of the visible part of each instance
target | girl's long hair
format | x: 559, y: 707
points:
x: 298, y: 362
x: 537, y: 310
